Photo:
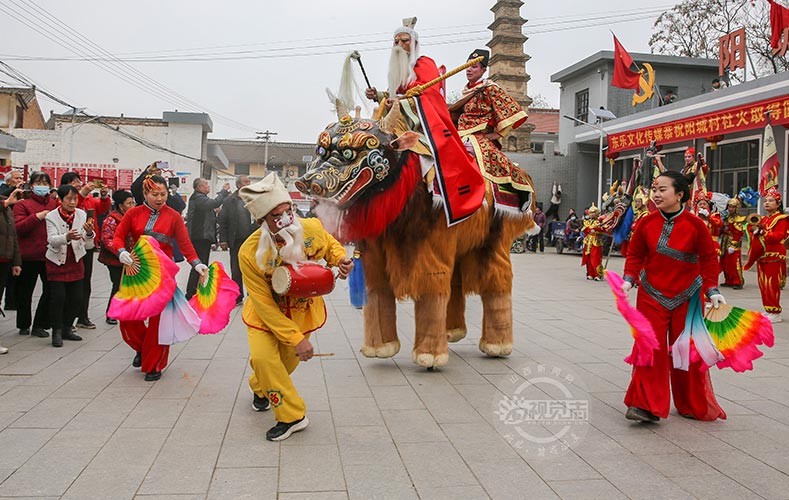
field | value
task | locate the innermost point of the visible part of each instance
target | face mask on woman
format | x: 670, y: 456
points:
x: 41, y: 190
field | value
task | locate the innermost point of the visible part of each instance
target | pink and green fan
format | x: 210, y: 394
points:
x: 737, y: 333
x: 215, y: 299
x: 646, y: 342
x: 147, y: 285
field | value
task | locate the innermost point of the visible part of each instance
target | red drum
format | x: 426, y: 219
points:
x: 309, y: 280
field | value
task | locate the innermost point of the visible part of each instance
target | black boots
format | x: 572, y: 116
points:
x: 137, y: 361
x: 58, y: 336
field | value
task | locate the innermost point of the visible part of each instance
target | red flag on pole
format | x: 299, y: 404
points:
x: 768, y: 176
x: 779, y: 21
x: 624, y: 77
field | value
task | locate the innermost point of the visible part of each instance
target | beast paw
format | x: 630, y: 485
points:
x: 385, y: 351
x: 495, y: 350
x: 456, y: 334
x: 428, y: 360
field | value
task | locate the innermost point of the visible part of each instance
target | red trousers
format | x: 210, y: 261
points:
x: 649, y: 386
x: 593, y: 261
x: 772, y: 276
x: 145, y: 339
x: 731, y: 263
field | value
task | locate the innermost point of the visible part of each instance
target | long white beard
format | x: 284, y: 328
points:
x: 293, y: 251
x: 401, y: 69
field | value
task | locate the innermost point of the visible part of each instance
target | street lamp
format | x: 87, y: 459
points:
x: 600, y: 114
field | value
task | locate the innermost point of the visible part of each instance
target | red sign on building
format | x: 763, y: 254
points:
x: 735, y: 119
x: 731, y: 50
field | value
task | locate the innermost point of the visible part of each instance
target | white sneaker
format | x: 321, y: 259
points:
x: 774, y: 317
x: 3, y: 350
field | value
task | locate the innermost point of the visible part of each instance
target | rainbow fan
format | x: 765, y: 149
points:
x: 147, y: 285
x: 215, y: 298
x: 643, y: 353
x: 737, y: 333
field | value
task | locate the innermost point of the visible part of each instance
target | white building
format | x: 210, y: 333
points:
x: 116, y: 149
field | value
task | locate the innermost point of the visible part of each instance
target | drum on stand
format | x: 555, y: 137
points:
x: 309, y: 280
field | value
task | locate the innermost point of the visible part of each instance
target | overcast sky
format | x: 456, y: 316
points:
x: 293, y: 50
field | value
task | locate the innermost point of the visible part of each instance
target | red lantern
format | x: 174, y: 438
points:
x: 612, y: 156
x: 714, y: 140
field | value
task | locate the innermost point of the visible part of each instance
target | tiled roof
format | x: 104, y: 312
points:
x: 27, y: 94
x: 545, y: 120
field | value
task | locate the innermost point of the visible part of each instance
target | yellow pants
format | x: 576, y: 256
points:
x: 272, y: 363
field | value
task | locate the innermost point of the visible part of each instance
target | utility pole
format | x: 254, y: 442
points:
x: 266, y: 136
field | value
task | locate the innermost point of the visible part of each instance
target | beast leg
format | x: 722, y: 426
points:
x: 496, y: 324
x: 380, y: 325
x: 380, y: 318
x: 456, y: 309
x: 430, y: 339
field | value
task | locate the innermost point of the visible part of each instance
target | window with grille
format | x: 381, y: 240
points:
x: 582, y: 105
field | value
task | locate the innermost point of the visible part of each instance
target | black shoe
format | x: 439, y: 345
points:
x: 137, y: 361
x: 24, y: 331
x: 725, y: 285
x: 260, y: 404
x: 153, y: 376
x: 10, y: 307
x: 640, y: 415
x: 111, y: 321
x: 69, y: 335
x: 57, y: 338
x: 282, y: 431
x: 737, y: 287
x: 86, y: 324
x: 39, y: 332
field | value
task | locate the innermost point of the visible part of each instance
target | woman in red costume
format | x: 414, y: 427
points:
x: 153, y: 218
x: 672, y: 255
x: 712, y: 219
x: 594, y: 236
x: 767, y: 248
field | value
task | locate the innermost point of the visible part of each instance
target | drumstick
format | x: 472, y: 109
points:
x: 321, y: 354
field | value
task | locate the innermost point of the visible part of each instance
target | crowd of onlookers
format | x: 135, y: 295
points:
x: 51, y: 234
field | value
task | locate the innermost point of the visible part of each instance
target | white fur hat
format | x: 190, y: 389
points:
x: 408, y: 27
x: 264, y: 196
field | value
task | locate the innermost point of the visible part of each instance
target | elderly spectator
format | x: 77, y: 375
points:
x: 122, y: 201
x: 94, y: 207
x: 12, y: 180
x: 235, y: 226
x: 201, y: 223
x: 10, y: 258
x: 31, y: 231
x: 69, y: 235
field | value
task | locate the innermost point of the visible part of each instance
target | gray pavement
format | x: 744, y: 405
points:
x: 80, y: 422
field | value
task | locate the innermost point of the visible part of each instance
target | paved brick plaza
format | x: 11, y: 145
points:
x: 80, y: 422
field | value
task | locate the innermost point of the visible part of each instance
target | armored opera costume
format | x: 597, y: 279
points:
x: 732, y: 232
x: 674, y: 260
x: 592, y: 256
x: 485, y: 108
x: 768, y: 251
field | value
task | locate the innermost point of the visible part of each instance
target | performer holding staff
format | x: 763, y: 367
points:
x: 155, y: 219
x: 673, y: 258
x: 768, y: 251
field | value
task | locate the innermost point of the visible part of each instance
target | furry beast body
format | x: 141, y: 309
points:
x: 417, y: 256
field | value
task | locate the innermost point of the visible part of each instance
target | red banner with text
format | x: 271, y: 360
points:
x: 750, y: 116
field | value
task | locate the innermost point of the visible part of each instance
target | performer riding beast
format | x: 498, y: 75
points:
x: 371, y: 173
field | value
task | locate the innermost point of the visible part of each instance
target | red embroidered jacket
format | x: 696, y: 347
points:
x: 674, y: 258
x: 165, y: 226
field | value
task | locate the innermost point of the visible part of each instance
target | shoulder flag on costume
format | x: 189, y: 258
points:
x: 768, y: 176
x: 779, y: 21
x: 624, y: 77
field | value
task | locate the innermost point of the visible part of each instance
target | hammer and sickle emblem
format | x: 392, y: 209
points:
x: 646, y: 86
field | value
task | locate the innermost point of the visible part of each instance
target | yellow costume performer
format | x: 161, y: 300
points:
x: 278, y: 325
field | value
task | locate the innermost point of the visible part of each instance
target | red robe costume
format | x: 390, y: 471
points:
x: 673, y: 259
x: 458, y: 176
x: 771, y: 263
x: 637, y: 216
x: 165, y: 226
x: 732, y: 231
x: 592, y: 256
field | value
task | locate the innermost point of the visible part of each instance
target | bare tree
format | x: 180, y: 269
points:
x: 539, y: 101
x: 693, y: 29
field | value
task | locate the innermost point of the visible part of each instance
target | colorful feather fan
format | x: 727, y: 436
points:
x: 737, y: 333
x: 179, y: 322
x: 215, y: 299
x: 644, y: 335
x: 147, y: 285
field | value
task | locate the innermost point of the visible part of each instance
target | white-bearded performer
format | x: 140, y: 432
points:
x: 279, y: 326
